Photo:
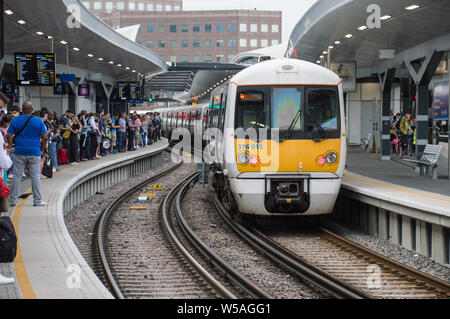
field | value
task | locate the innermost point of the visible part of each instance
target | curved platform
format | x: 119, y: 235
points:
x: 48, y: 264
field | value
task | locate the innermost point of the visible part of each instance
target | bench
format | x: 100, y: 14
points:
x: 428, y: 159
x: 365, y: 143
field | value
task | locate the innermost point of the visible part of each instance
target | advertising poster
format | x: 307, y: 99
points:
x: 441, y: 101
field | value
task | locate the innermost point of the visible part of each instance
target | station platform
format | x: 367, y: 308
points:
x: 48, y: 265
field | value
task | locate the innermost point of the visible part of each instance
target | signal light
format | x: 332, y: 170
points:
x: 321, y: 160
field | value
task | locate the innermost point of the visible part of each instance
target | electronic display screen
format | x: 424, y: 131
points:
x: 129, y: 90
x: 37, y: 69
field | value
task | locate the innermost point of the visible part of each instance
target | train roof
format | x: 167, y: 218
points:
x: 286, y: 71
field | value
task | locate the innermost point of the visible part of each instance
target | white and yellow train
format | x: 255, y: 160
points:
x: 283, y: 148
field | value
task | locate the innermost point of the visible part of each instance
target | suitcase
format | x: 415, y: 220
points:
x: 62, y: 157
x: 8, y: 240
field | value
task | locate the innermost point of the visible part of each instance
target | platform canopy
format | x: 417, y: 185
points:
x: 405, y: 24
x: 28, y: 25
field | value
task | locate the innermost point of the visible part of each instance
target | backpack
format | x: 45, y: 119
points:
x: 8, y: 240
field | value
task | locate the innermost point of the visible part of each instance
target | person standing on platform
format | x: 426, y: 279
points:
x: 121, y: 133
x: 5, y: 164
x: 30, y: 136
x: 64, y: 128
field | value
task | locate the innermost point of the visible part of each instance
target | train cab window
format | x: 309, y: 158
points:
x: 251, y: 110
x: 322, y: 108
x: 286, y: 109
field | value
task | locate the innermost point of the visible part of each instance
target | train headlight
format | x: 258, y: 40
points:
x: 244, y: 158
x: 331, y: 158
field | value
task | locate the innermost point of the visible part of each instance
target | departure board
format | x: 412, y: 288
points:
x: 135, y: 90
x: 25, y: 69
x: 123, y: 90
x: 45, y: 69
x: 129, y: 90
x: 35, y: 69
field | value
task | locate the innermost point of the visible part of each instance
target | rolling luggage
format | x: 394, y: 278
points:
x: 62, y: 157
x: 8, y: 240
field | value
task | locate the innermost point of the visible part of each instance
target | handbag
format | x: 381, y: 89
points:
x: 4, y: 204
x: 66, y: 135
x: 4, y: 189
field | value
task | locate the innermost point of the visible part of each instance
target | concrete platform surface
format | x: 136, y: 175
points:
x: 397, y: 172
x: 48, y: 264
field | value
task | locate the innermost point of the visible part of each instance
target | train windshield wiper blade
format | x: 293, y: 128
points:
x: 321, y: 130
x: 294, y: 122
x: 261, y: 116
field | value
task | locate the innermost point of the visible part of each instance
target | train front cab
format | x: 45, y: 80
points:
x: 295, y: 175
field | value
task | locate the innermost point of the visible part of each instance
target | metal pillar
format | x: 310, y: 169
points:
x: 387, y: 82
x: 406, y: 95
x: 423, y: 100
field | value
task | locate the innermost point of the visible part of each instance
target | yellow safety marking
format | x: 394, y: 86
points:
x: 289, y: 201
x: 149, y: 195
x: 397, y: 189
x: 19, y: 265
x: 138, y: 208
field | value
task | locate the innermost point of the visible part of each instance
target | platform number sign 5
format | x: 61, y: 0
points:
x: 73, y: 280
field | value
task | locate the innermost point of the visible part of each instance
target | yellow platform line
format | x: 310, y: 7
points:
x: 19, y: 264
x: 398, y: 189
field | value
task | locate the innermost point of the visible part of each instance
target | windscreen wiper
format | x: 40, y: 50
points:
x: 291, y: 127
x: 321, y: 130
x: 261, y: 116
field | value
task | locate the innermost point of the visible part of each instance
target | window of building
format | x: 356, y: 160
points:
x: 185, y: 58
x: 208, y: 43
x: 219, y: 58
x: 196, y: 58
x: 141, y: 6
x: 150, y: 44
x: 168, y: 7
x: 184, y: 28
x: 220, y: 44
x: 253, y: 28
x: 275, y: 28
x: 208, y: 27
x: 219, y: 28
x: 230, y: 57
x: 243, y: 43
x: 97, y: 5
x: 196, y: 43
x: 275, y: 42
x: 139, y: 42
x: 149, y: 6
x: 243, y: 27
x: 109, y: 5
x: 264, y: 28
x: 232, y: 27
x: 172, y: 44
x: 208, y: 58
x: 173, y: 58
x: 231, y: 43
x: 161, y: 44
x: 196, y: 28
x: 131, y: 6
x: 253, y: 43
x: 86, y: 4
x: 185, y: 43
x: 161, y: 28
x: 149, y: 28
x: 159, y: 7
x: 176, y: 8
x: 264, y: 43
x: 120, y: 5
x: 173, y: 28
x: 140, y: 29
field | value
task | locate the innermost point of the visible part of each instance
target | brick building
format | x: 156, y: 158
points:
x: 192, y: 36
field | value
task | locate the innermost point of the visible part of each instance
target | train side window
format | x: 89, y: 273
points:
x: 223, y: 110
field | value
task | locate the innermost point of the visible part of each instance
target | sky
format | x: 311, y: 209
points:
x: 292, y: 10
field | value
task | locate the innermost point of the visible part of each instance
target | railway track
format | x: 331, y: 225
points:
x: 369, y: 272
x: 142, y: 254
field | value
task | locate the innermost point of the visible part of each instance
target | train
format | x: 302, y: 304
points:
x: 278, y: 145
